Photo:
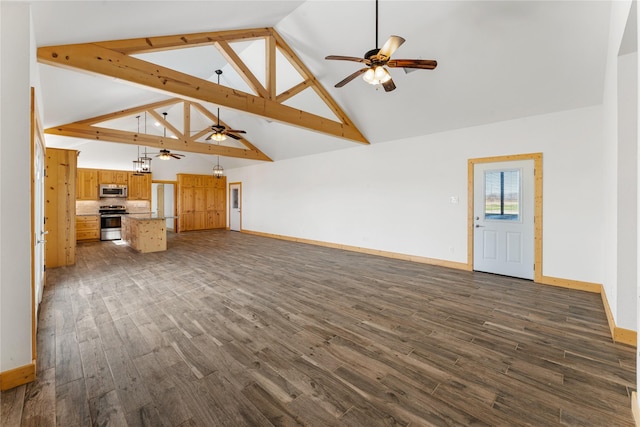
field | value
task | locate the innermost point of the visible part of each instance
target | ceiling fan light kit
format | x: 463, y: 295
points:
x: 220, y: 132
x: 377, y: 59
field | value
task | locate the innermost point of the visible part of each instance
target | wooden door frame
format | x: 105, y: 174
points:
x: 537, y: 209
x: 240, y: 203
x: 175, y: 200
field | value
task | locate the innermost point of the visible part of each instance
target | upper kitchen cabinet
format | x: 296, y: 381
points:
x: 87, y: 184
x: 113, y: 177
x: 139, y: 186
x: 60, y: 207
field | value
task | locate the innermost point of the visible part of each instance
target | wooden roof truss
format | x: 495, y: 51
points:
x: 113, y: 59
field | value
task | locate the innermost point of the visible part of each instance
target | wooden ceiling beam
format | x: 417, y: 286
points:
x: 293, y: 91
x: 315, y: 84
x: 97, y: 59
x: 124, y: 137
x: 241, y: 68
x: 155, y: 44
x: 270, y: 66
x: 165, y: 123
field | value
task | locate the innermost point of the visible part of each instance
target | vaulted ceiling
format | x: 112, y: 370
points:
x: 497, y: 60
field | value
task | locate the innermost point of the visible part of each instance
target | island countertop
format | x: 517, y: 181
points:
x: 145, y: 232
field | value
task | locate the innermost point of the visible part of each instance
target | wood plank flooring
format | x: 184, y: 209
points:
x: 228, y: 329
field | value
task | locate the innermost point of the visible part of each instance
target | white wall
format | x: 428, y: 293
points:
x: 15, y: 213
x: 610, y: 156
x: 627, y: 212
x: 395, y: 196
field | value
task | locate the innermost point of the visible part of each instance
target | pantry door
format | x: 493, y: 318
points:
x: 503, y: 218
x: 235, y: 206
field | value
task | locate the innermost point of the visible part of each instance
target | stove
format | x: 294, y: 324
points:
x: 112, y: 209
x: 111, y: 221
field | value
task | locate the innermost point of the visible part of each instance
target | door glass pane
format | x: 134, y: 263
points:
x: 502, y: 195
x: 234, y: 198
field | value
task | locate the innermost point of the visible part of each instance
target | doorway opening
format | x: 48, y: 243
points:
x: 163, y: 202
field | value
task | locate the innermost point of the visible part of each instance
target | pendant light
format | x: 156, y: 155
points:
x: 142, y: 165
x: 218, y: 171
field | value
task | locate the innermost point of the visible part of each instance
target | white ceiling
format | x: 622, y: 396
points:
x: 497, y: 60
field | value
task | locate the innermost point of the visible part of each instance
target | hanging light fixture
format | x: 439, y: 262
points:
x: 142, y: 165
x: 218, y: 171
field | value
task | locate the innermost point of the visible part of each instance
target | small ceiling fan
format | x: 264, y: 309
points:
x: 220, y: 132
x: 376, y: 60
x: 167, y: 155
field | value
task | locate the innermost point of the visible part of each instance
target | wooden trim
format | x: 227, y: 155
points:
x: 537, y: 215
x: 571, y: 284
x: 635, y: 409
x: 625, y: 336
x: 18, y: 376
x: 386, y: 254
x: 621, y: 335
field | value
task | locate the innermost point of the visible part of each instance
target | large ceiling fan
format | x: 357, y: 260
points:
x: 167, y: 155
x: 220, y: 132
x: 376, y: 60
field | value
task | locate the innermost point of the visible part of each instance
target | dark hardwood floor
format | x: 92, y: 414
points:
x: 228, y: 329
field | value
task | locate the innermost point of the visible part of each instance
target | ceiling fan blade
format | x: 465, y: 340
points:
x: 348, y: 58
x: 235, y: 131
x: 230, y: 135
x: 175, y: 156
x: 391, y: 45
x: 389, y: 85
x: 350, y: 77
x: 426, y: 64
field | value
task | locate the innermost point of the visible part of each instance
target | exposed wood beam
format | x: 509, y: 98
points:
x: 241, y: 68
x: 315, y: 84
x: 165, y: 123
x: 154, y: 44
x: 94, y: 58
x: 186, y: 119
x: 113, y: 135
x: 270, y: 66
x: 130, y: 111
x: 293, y: 91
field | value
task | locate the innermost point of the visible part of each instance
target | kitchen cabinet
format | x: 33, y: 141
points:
x: 87, y: 227
x: 87, y: 184
x: 60, y: 207
x: 144, y: 233
x: 139, y: 187
x: 113, y: 177
x: 201, y: 202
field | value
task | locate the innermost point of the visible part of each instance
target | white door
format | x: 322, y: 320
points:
x: 38, y: 220
x: 503, y: 240
x: 235, y: 215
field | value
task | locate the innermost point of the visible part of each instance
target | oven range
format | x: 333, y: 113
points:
x: 111, y: 221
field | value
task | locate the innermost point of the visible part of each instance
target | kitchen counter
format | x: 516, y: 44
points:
x: 145, y: 232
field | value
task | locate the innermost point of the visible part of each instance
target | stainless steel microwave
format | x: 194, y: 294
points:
x: 113, y: 190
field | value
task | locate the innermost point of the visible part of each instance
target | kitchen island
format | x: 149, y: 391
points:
x: 145, y: 232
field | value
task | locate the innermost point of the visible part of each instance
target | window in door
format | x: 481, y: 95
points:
x: 502, y: 195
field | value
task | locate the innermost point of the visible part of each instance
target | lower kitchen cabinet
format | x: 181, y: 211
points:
x: 87, y: 227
